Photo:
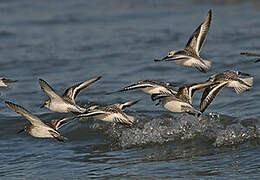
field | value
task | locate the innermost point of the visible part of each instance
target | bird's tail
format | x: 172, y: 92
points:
x: 207, y: 64
x: 248, y: 83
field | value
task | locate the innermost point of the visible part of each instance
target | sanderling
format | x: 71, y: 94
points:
x: 190, y: 56
x: 229, y: 79
x: 37, y: 128
x: 111, y: 113
x: 4, y: 81
x: 182, y: 101
x: 66, y: 102
x: 151, y: 87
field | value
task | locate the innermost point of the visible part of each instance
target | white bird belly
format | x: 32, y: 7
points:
x: 40, y: 132
x: 175, y: 106
x: 186, y: 62
x: 2, y: 84
x: 190, y: 61
x: 62, y: 107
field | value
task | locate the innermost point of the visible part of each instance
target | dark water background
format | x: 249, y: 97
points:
x: 65, y: 42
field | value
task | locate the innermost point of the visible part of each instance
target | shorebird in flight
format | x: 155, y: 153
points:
x: 66, y: 102
x: 190, y: 56
x: 151, y: 87
x: 182, y: 101
x: 111, y: 113
x: 37, y: 128
x: 229, y: 79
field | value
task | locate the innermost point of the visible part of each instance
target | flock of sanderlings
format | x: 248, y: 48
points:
x: 171, y: 97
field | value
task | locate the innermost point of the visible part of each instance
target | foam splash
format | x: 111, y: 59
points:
x: 219, y: 130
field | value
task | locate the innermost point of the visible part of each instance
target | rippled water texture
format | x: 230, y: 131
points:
x: 66, y: 42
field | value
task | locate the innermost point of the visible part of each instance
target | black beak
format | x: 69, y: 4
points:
x: 9, y: 80
x: 42, y: 106
x: 243, y: 74
x: 121, y: 90
x: 130, y: 87
x: 165, y: 58
x: 22, y: 130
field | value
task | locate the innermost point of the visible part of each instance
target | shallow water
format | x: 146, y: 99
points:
x: 72, y: 41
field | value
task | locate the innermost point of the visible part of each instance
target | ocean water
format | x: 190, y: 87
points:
x: 66, y: 42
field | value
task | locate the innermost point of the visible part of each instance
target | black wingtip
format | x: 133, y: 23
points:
x: 9, y: 104
x: 42, y: 106
x: 155, y: 96
x: 157, y: 104
x: 199, y: 114
x: 61, y: 139
x: 137, y: 101
x: 258, y: 60
x: 210, y: 14
x: 20, y: 131
x: 41, y: 80
x: 203, y: 70
x: 202, y: 110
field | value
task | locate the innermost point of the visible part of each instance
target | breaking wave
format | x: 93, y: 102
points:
x: 219, y: 130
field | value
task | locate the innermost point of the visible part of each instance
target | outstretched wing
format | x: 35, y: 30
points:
x: 58, y: 123
x: 93, y: 113
x: 48, y: 89
x: 199, y: 35
x: 57, y: 136
x: 128, y: 104
x: 71, y: 93
x: 209, y: 95
x: 132, y: 87
x: 198, y: 86
x: 111, y: 114
x: 126, y: 120
x: 156, y: 96
x: 20, y: 110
